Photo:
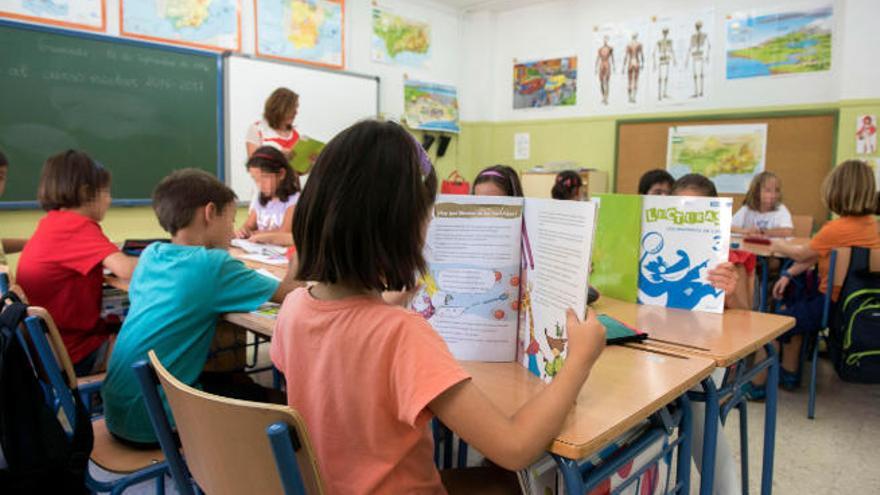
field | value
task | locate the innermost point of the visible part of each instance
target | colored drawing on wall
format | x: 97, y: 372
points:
x: 430, y: 107
x: 545, y: 83
x: 866, y: 134
x: 309, y: 31
x: 84, y: 14
x: 399, y: 40
x: 779, y: 42
x: 213, y: 25
x: 730, y: 155
x: 681, y: 46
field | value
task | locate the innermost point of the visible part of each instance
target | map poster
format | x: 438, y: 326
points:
x: 729, y: 155
x: 214, y: 25
x: 680, y: 57
x: 399, y: 40
x: 307, y: 31
x: 80, y: 14
x: 779, y: 42
x: 545, y: 83
x: 430, y: 107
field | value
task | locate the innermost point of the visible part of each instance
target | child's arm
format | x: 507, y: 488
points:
x: 786, y: 276
x: 514, y: 442
x: 13, y: 245
x: 779, y: 232
x: 743, y: 230
x: 122, y: 265
x: 289, y: 283
x: 248, y: 227
x: 800, y: 253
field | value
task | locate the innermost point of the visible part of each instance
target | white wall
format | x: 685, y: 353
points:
x: 565, y: 27
x: 446, y: 56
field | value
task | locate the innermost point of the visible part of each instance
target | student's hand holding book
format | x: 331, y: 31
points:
x: 724, y: 277
x: 586, y: 339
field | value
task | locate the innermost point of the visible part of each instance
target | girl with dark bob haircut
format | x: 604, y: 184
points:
x: 374, y: 373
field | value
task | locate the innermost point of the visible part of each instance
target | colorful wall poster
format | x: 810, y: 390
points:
x: 81, y: 14
x: 308, y: 31
x: 400, y: 40
x: 730, y: 155
x: 779, y: 42
x: 615, y: 271
x: 619, y: 69
x: 543, y: 83
x: 429, y: 106
x: 557, y: 246
x: 681, y: 64
x: 682, y: 239
x: 470, y: 293
x: 214, y: 25
x: 866, y: 134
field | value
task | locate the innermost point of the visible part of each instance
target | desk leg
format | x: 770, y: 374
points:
x: 685, y: 431
x: 770, y: 420
x: 710, y: 437
x: 571, y: 475
x: 744, y: 446
x: 765, y: 268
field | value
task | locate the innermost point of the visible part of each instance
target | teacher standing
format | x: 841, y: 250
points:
x: 276, y: 127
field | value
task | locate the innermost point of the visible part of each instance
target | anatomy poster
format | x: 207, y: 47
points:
x: 680, y: 57
x: 620, y: 72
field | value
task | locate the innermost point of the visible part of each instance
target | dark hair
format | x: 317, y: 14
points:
x: 362, y: 215
x: 567, y: 182
x: 697, y: 182
x: 849, y: 189
x: 280, y: 104
x: 3, y: 161
x: 753, y: 195
x: 179, y: 195
x: 70, y: 179
x: 652, y: 177
x: 269, y: 159
x: 502, y: 176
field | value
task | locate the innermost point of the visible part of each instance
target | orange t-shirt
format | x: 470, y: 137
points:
x: 361, y: 373
x: 842, y: 232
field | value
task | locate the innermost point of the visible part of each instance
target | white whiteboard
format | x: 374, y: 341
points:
x: 329, y: 101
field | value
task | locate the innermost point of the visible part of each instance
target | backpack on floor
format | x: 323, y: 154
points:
x: 854, y: 337
x: 39, y: 456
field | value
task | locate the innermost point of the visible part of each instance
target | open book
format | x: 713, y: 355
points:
x: 502, y: 272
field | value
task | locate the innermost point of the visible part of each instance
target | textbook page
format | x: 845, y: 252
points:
x: 470, y: 291
x: 557, y: 245
x: 682, y: 239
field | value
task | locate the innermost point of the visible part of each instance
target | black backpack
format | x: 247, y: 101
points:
x: 854, y: 337
x: 40, y: 456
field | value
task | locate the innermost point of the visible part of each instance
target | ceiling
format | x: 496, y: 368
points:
x: 493, y: 5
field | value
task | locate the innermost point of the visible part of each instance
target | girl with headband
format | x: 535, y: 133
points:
x: 270, y: 219
x: 497, y: 180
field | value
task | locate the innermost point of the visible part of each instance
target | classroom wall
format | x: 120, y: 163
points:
x: 585, y: 133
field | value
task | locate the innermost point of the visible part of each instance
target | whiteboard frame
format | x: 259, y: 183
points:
x: 227, y: 124
x: 220, y: 169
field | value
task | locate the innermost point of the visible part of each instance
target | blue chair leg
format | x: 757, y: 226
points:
x: 462, y: 453
x: 744, y: 445
x: 685, y: 430
x: 284, y: 445
x: 770, y: 420
x: 811, y: 405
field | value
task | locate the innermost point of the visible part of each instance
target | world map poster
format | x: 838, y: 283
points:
x: 82, y: 14
x: 310, y: 31
x: 207, y: 24
x: 780, y: 42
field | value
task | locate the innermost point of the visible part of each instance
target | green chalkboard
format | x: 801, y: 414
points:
x: 141, y: 110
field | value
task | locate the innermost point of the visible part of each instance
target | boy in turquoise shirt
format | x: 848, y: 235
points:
x: 177, y: 293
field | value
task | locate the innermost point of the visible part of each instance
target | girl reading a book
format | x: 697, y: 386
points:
x: 762, y: 212
x: 568, y: 185
x: 497, y: 180
x: 271, y: 211
x: 372, y: 374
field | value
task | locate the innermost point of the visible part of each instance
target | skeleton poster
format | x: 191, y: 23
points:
x: 680, y: 57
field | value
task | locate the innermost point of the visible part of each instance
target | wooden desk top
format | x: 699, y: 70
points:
x: 625, y: 387
x: 725, y: 338
x: 764, y: 249
x: 277, y: 270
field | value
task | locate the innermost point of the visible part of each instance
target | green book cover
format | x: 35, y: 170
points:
x: 616, y: 246
x: 305, y: 152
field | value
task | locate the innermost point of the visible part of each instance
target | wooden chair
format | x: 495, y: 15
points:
x: 803, y: 225
x: 60, y: 382
x: 231, y: 446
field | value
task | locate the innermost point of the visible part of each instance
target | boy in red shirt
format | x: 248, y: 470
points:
x: 61, y: 267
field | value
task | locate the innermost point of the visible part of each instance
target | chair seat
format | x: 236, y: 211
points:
x: 111, y: 455
x: 86, y: 380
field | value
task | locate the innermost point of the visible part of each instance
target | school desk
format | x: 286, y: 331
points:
x: 764, y: 253
x: 726, y: 339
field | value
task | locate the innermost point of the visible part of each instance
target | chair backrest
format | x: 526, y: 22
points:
x: 225, y: 442
x: 803, y: 225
